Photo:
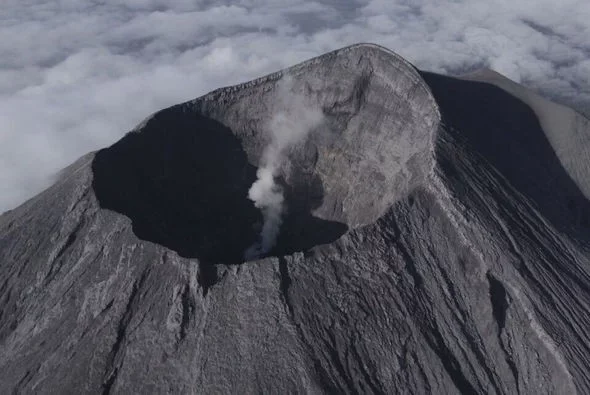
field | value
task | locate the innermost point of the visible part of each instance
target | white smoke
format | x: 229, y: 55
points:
x: 290, y: 125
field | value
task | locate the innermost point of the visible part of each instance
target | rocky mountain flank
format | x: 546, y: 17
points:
x: 435, y: 240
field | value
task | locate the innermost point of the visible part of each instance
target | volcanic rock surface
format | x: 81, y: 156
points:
x: 435, y: 240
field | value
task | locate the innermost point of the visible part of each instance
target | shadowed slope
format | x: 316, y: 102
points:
x: 507, y: 133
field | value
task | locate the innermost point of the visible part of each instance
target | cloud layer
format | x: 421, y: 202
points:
x: 76, y: 75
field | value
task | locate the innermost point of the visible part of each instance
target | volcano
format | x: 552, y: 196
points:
x: 434, y: 239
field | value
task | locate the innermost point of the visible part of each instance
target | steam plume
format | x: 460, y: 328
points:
x: 290, y: 125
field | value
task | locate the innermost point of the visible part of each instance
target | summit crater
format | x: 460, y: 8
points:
x: 183, y: 176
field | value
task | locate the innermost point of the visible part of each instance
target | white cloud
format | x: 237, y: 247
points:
x: 76, y: 75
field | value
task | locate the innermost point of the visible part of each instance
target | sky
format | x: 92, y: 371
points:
x: 76, y: 75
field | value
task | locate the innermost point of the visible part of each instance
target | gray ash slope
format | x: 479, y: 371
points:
x: 434, y: 243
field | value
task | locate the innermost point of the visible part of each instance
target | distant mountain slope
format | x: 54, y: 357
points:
x: 435, y: 241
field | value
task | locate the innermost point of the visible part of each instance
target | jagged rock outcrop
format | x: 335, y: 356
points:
x: 435, y: 242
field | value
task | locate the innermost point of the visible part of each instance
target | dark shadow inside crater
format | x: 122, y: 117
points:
x: 300, y: 230
x: 184, y: 180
